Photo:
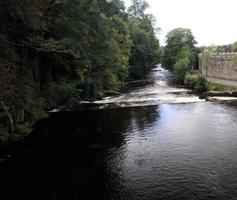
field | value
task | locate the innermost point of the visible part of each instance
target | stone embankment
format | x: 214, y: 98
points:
x: 219, y: 96
x: 219, y: 65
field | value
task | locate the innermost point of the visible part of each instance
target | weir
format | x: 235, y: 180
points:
x: 160, y: 91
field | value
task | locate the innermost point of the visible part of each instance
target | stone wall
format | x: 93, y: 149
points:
x: 219, y: 65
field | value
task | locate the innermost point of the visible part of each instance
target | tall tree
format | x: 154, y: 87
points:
x: 138, y: 8
x: 176, y: 40
x: 60, y: 52
x: 145, y: 49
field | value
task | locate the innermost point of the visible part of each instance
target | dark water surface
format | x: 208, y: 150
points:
x: 182, y: 151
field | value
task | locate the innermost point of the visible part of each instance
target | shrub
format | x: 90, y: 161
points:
x: 201, y: 84
x: 197, y: 83
x: 181, y: 68
x: 22, y: 130
x: 212, y: 86
x: 58, y: 95
x: 190, y: 80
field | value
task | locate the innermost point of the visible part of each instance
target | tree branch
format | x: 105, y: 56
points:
x: 5, y: 108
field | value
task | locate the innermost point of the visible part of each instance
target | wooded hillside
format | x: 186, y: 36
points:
x: 55, y: 53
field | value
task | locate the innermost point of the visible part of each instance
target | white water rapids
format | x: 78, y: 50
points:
x: 160, y: 92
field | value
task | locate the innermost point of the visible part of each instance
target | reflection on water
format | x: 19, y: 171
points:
x: 182, y: 151
x: 165, y: 151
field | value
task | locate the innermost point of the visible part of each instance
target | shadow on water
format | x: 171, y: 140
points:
x: 177, y: 148
x: 66, y: 156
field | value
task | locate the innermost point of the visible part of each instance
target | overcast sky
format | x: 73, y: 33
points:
x: 211, y: 21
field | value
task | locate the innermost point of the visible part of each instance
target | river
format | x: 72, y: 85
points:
x: 157, y: 142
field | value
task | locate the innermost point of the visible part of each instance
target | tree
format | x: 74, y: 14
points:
x: 181, y: 67
x: 60, y: 52
x: 176, y: 40
x: 8, y: 95
x: 138, y: 7
x: 145, y: 49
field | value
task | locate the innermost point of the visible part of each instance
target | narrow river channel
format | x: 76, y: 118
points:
x: 157, y: 142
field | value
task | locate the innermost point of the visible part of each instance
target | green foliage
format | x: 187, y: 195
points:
x: 215, y: 49
x: 190, y: 80
x: 180, y: 54
x: 138, y: 8
x: 64, y: 95
x: 201, y: 84
x: 186, y: 52
x: 32, y: 102
x: 181, y: 67
x: 212, y: 86
x: 65, y: 51
x: 179, y: 41
x: 198, y: 83
x: 145, y: 49
x: 22, y: 130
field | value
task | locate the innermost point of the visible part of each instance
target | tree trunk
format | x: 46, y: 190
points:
x: 5, y: 108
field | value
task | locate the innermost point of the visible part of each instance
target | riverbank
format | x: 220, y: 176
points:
x: 155, y: 89
x: 225, y: 96
x: 6, y: 139
x: 228, y: 83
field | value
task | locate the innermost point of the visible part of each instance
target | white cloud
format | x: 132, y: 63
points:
x: 211, y: 21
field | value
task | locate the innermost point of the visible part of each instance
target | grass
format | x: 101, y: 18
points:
x: 213, y: 86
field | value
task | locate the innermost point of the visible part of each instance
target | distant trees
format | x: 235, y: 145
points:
x: 145, y: 48
x: 180, y: 54
x: 138, y: 7
x: 220, y: 48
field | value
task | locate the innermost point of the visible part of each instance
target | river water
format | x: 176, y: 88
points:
x: 153, y: 143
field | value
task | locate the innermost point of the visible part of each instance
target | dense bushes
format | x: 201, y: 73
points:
x: 198, y: 83
x: 212, y: 86
x: 64, y: 95
x: 190, y: 80
x: 181, y: 67
x: 201, y: 84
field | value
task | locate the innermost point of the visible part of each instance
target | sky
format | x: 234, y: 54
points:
x: 213, y: 22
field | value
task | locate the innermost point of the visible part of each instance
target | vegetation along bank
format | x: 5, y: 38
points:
x: 57, y: 53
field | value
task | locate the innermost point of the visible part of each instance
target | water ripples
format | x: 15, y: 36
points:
x: 157, y: 93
